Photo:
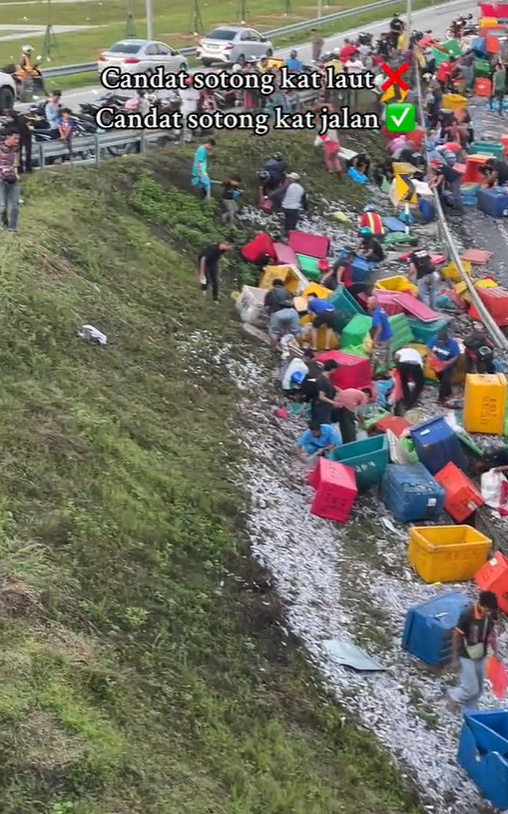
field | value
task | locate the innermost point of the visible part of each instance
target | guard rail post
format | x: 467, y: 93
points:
x: 97, y: 150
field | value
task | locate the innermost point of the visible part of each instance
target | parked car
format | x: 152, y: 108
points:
x: 232, y: 43
x: 142, y: 56
x: 7, y: 91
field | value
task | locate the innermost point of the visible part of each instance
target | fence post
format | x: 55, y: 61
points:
x: 97, y: 151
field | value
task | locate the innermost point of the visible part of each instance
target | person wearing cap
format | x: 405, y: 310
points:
x: 445, y: 353
x: 293, y: 201
x: 318, y: 439
x: 323, y: 313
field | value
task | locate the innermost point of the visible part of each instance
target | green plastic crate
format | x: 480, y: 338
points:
x: 309, y: 267
x: 399, y: 239
x: 355, y: 331
x: 424, y: 331
x: 409, y: 448
x: 439, y: 56
x: 345, y: 306
x: 402, y: 333
x: 357, y: 351
x: 486, y: 148
x: 481, y: 68
x: 368, y: 457
x: 452, y: 47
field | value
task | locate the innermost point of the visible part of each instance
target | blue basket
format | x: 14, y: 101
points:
x: 436, y: 444
x: 483, y: 754
x: 411, y: 493
x: 429, y: 627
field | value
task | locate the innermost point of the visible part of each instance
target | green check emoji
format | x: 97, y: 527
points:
x: 400, y: 118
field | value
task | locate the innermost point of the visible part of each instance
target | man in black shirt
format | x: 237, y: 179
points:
x: 208, y: 266
x: 445, y: 179
x: 474, y: 633
x: 284, y: 319
x: 479, y: 351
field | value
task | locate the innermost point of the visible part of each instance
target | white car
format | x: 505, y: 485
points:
x: 230, y: 44
x: 142, y: 56
x: 7, y: 91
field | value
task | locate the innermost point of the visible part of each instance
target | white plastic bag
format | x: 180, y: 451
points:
x: 494, y: 488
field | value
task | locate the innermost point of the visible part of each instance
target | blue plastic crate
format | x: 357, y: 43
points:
x: 411, y: 493
x: 436, y: 445
x: 429, y: 627
x: 493, y: 202
x: 483, y: 754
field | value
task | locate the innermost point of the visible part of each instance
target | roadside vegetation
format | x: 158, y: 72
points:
x: 143, y: 666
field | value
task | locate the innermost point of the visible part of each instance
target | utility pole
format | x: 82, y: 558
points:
x: 320, y: 8
x: 149, y: 19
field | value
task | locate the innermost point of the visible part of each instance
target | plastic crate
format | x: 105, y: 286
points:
x: 454, y: 101
x: 411, y: 493
x: 483, y: 753
x: 353, y: 371
x: 428, y: 630
x: 436, y: 444
x: 336, y: 490
x: 447, y: 553
x: 486, y: 148
x: 493, y: 576
x: 397, y: 283
x: 345, y: 306
x: 355, y: 331
x: 493, y: 202
x: 402, y: 333
x: 495, y: 300
x: 368, y: 457
x: 424, y: 331
x: 481, y: 67
x: 462, y: 498
x: 309, y: 266
x: 485, y: 403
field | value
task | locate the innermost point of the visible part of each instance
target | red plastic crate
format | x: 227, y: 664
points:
x: 473, y: 164
x: 394, y: 423
x: 336, y: 490
x: 493, y: 576
x: 353, y: 371
x: 496, y: 303
x: 462, y: 498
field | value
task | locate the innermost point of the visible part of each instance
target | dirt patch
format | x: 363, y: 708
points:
x: 18, y: 600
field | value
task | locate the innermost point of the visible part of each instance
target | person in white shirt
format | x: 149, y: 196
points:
x: 409, y: 366
x: 294, y: 200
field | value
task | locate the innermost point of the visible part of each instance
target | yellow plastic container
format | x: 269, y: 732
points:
x: 396, y: 283
x: 452, y: 273
x: 403, y: 168
x: 293, y: 280
x: 458, y: 376
x: 454, y: 101
x: 488, y: 22
x: 485, y: 403
x: 319, y: 290
x: 462, y: 290
x: 447, y: 553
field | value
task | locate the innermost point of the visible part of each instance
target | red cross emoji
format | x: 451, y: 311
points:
x: 394, y: 77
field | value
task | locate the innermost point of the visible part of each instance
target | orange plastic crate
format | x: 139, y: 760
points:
x: 462, y: 498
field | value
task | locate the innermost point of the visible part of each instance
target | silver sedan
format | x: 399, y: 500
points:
x: 142, y: 57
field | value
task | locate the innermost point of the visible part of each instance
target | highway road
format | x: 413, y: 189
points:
x: 436, y: 18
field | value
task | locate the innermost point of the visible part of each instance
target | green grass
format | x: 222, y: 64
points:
x: 142, y: 667
x: 175, y: 28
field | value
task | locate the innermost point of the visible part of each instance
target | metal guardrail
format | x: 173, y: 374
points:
x: 92, y: 150
x: 88, y: 67
x: 495, y: 332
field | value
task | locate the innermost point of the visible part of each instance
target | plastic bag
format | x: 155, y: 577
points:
x: 367, y: 344
x: 496, y: 674
x: 494, y: 487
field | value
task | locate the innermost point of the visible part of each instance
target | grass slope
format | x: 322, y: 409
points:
x: 142, y: 667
